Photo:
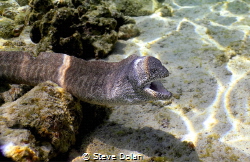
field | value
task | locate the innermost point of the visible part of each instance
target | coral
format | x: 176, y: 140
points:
x: 85, y: 30
x: 45, y: 120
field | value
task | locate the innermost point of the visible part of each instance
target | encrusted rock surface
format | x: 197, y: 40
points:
x: 6, y: 28
x: 127, y: 31
x: 138, y: 7
x: 23, y: 2
x: 39, y: 125
x: 80, y: 28
x: 9, y: 93
x: 85, y: 29
x: 12, y: 19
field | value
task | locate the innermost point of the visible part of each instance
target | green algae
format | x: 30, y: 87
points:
x: 20, y: 18
x: 4, y: 5
x: 46, y: 114
x: 137, y: 8
x: 10, y: 12
x: 23, y: 2
x: 81, y: 29
x: 6, y: 27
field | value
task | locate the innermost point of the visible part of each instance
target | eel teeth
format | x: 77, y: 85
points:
x: 156, y: 89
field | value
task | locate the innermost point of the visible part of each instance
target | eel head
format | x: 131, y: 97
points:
x: 147, y: 73
x: 142, y: 81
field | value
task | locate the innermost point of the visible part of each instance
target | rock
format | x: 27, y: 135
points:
x: 6, y: 4
x: 165, y: 11
x: 15, y: 45
x: 10, y: 13
x: 12, y: 19
x: 9, y: 29
x: 17, y: 30
x: 19, y: 153
x: 39, y: 125
x: 127, y: 31
x: 9, y: 93
x: 85, y: 30
x: 41, y: 6
x: 137, y: 8
x: 22, y: 2
x: 38, y: 9
x: 6, y: 27
x: 20, y: 17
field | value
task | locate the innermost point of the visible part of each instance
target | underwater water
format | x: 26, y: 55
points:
x: 205, y: 46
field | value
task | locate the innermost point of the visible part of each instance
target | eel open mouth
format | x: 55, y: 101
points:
x: 157, y: 90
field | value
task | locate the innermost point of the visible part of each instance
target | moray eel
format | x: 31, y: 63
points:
x: 133, y: 80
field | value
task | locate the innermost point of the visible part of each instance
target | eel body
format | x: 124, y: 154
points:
x: 133, y: 80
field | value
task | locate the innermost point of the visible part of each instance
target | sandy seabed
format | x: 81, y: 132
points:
x: 205, y: 47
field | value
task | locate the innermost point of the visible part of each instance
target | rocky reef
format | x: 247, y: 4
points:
x: 9, y: 93
x: 12, y: 19
x: 45, y: 122
x: 83, y: 28
x: 80, y: 28
x: 39, y: 125
x: 138, y: 7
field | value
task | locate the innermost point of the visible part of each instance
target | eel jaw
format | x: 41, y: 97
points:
x: 156, y: 90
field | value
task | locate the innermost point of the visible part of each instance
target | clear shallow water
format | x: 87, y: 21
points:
x: 205, y: 47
